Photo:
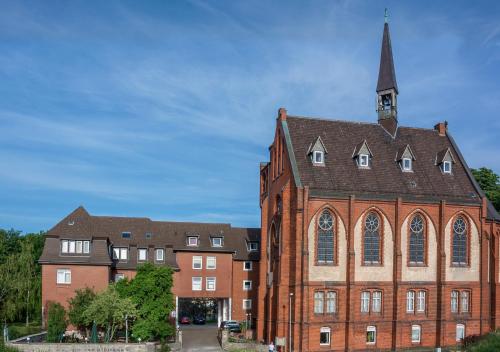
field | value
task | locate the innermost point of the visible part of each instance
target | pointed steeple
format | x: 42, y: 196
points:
x: 386, y: 73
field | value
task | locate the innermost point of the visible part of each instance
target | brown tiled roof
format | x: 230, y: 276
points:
x: 386, y: 73
x: 341, y: 174
x: 160, y: 234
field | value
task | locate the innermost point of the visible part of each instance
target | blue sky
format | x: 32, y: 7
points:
x: 165, y: 109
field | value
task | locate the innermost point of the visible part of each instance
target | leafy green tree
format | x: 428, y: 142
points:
x: 56, y: 322
x: 151, y: 291
x: 109, y: 310
x: 77, y: 307
x: 490, y: 184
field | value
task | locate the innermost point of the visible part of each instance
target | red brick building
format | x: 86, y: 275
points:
x: 374, y: 236
x: 215, y: 262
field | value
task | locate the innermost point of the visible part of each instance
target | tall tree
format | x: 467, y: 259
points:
x: 78, y: 305
x: 490, y: 184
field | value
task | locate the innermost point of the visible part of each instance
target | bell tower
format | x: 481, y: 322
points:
x: 387, y: 88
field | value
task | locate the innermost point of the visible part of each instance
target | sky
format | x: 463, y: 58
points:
x: 164, y: 109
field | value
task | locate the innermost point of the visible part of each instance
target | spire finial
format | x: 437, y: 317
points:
x: 386, y: 16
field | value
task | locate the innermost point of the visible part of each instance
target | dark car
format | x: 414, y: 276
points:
x: 199, y: 320
x: 185, y: 320
x: 231, y: 325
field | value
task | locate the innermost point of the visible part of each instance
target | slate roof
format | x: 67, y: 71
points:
x: 386, y: 73
x: 341, y: 175
x: 169, y: 235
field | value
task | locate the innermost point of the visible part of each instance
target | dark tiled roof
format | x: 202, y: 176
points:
x: 386, y: 73
x: 144, y: 233
x: 341, y: 174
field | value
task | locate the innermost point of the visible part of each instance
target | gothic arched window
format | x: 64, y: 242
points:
x: 326, y: 238
x: 417, y: 240
x: 372, y: 239
x: 460, y: 240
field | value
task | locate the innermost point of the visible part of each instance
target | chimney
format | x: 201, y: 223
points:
x: 441, y: 127
x: 282, y: 114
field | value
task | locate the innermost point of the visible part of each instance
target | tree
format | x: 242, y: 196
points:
x: 78, y: 305
x: 151, y: 291
x: 56, y: 322
x: 109, y: 310
x: 490, y: 184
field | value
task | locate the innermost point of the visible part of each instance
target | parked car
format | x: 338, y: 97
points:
x: 199, y: 320
x: 231, y: 325
x: 185, y: 320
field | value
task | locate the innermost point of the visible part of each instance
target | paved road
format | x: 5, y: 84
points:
x: 200, y: 338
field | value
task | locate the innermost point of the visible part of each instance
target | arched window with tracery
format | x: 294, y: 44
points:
x: 371, y: 253
x: 326, y: 238
x: 417, y: 240
x: 460, y: 241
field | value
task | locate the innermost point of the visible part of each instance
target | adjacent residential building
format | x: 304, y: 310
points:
x: 215, y: 262
x: 375, y: 236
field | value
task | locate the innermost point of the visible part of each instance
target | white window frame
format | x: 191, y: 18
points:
x: 416, y: 328
x: 86, y: 247
x: 79, y: 247
x: 212, y: 266
x: 465, y: 301
x: 321, y: 155
x: 194, y: 243
x: 159, y: 258
x: 410, y: 301
x: 196, y: 283
x: 421, y: 300
x: 377, y: 301
x: 328, y: 331
x: 459, y: 327
x: 244, y: 285
x: 120, y: 253
x: 371, y: 328
x: 63, y: 277
x: 142, y: 250
x: 365, y: 302
x: 197, y: 260
x: 333, y: 300
x: 124, y: 254
x: 251, y: 265
x: 455, y: 297
x: 364, y: 160
x: 119, y: 277
x: 64, y: 246
x: 208, y: 281
x: 71, y: 247
x: 217, y: 245
x: 253, y: 246
x: 247, y: 304
x: 447, y: 167
x: 403, y: 164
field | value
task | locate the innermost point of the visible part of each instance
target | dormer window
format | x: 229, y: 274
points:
x: 126, y: 235
x: 217, y: 241
x: 364, y: 160
x: 317, y: 151
x: 405, y: 158
x: 253, y: 246
x: 447, y: 167
x: 318, y: 157
x: 192, y: 241
x: 406, y: 164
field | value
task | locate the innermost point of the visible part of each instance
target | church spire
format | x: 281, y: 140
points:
x: 387, y: 88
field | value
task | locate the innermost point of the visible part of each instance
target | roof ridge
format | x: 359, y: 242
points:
x: 331, y: 120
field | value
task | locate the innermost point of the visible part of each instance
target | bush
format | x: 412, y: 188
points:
x: 487, y: 343
x: 18, y: 330
x: 78, y: 305
x: 56, y: 322
x: 4, y: 348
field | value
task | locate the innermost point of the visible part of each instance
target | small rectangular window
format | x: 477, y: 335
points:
x: 192, y: 241
x: 142, y: 254
x: 415, y: 334
x: 319, y: 301
x: 377, y: 301
x: 120, y: 253
x: 79, y: 247
x: 119, y: 277
x: 460, y: 332
x: 318, y: 157
x: 410, y: 301
x: 247, y: 304
x: 421, y: 301
x: 64, y: 246
x: 196, y: 283
x: 324, y: 336
x: 464, y: 304
x: 71, y: 247
x: 454, y: 301
x: 86, y: 247
x: 210, y: 283
x: 64, y: 276
x: 447, y: 167
x: 159, y: 254
x: 247, y: 285
x: 197, y: 262
x: 364, y: 160
x: 247, y: 266
x: 331, y: 302
x: 211, y: 263
x: 126, y: 235
x: 371, y: 335
x: 216, y: 241
x: 365, y: 302
x: 407, y: 164
x: 253, y: 246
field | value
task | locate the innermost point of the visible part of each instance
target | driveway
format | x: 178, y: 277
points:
x: 200, y: 338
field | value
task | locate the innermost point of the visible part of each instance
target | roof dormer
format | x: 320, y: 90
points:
x: 405, y: 158
x: 317, y: 152
x: 363, y: 155
x: 445, y: 159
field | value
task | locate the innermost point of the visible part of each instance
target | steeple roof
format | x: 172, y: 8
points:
x: 386, y: 74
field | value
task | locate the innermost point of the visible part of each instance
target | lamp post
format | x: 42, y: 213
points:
x: 290, y: 322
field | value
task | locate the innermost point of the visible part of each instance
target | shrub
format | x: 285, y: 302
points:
x: 78, y: 305
x: 56, y: 322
